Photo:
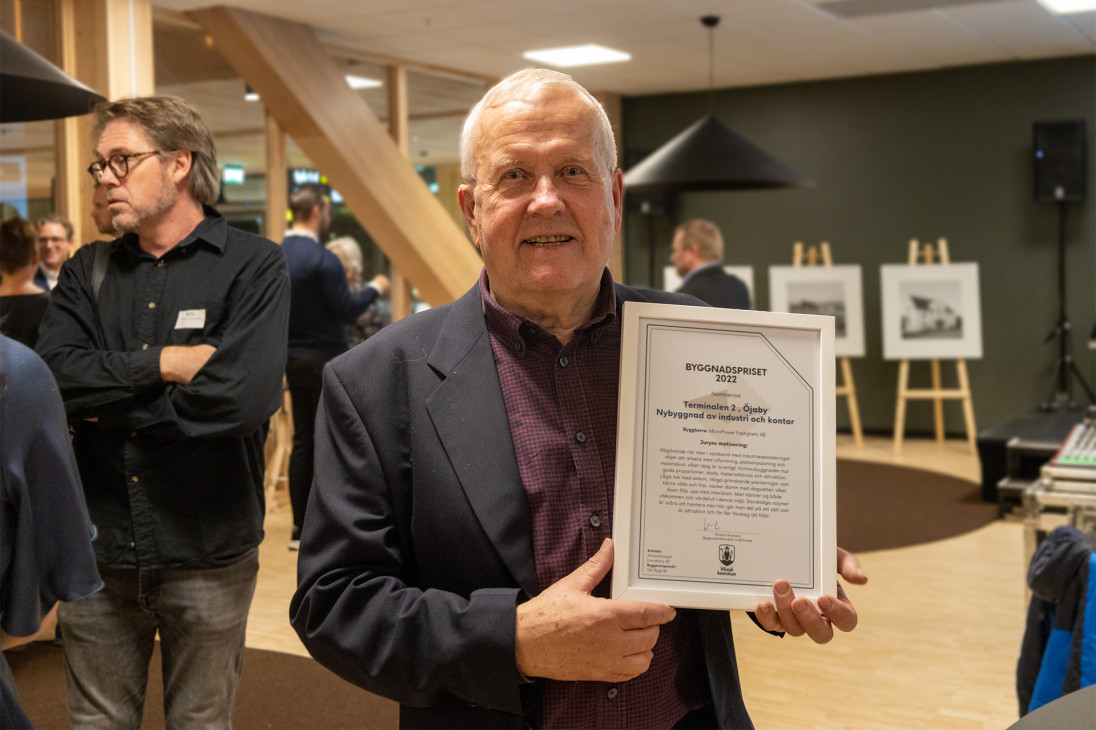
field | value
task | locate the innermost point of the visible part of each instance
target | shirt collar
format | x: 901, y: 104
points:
x: 701, y: 268
x: 48, y: 273
x: 303, y: 233
x: 212, y: 229
x: 516, y: 332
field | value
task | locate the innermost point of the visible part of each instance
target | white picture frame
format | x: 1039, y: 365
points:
x: 931, y: 311
x: 672, y: 282
x: 738, y: 407
x: 836, y: 291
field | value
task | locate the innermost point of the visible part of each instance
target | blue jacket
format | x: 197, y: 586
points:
x: 1058, y: 654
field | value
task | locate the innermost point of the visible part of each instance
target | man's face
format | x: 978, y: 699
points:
x: 100, y: 214
x: 148, y: 191
x: 683, y: 257
x: 54, y: 245
x: 542, y: 210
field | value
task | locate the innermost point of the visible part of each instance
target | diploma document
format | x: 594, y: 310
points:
x: 725, y: 463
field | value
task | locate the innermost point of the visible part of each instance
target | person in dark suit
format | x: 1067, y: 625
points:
x: 455, y: 552
x: 697, y: 255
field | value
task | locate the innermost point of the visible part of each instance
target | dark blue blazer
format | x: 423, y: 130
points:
x: 718, y: 288
x: 40, y: 279
x: 417, y: 544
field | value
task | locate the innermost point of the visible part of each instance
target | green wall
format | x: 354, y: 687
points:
x: 917, y: 155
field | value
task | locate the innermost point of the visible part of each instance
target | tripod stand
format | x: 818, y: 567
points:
x: 1061, y: 393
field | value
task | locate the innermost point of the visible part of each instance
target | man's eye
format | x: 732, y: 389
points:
x: 572, y: 171
x: 512, y: 175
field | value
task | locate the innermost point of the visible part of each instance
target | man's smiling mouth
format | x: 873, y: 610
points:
x: 547, y: 240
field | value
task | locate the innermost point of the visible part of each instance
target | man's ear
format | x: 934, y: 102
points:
x: 467, y: 200
x: 181, y: 163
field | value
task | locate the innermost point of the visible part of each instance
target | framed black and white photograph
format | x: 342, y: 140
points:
x: 835, y: 291
x: 931, y: 312
x: 671, y: 281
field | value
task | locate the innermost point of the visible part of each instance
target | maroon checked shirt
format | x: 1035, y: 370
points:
x: 561, y: 402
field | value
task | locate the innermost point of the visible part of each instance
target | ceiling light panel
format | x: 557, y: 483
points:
x: 590, y: 54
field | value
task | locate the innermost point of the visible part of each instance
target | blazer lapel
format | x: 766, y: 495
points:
x: 468, y: 412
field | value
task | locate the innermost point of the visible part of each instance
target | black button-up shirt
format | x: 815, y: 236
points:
x: 173, y: 473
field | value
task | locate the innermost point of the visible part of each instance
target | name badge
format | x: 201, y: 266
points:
x: 190, y: 319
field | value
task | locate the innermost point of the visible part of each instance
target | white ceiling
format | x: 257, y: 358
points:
x: 757, y: 42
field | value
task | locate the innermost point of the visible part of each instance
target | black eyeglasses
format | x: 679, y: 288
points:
x: 119, y: 164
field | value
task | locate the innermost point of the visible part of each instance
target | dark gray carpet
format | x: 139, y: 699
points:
x: 880, y: 506
x: 277, y: 691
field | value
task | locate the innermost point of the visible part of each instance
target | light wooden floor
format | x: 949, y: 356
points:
x: 940, y: 625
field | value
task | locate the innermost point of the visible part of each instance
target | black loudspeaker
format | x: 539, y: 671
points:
x: 1060, y: 174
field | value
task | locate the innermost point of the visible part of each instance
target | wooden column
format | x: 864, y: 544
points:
x: 71, y: 148
x: 277, y: 181
x: 107, y: 45
x: 398, y: 127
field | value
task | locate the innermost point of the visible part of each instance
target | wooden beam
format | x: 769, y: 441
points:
x: 277, y: 180
x: 306, y: 93
x: 398, y: 129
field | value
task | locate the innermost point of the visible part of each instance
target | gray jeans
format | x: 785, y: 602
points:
x: 202, y: 619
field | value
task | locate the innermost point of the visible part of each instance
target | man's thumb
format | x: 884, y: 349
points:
x: 586, y: 576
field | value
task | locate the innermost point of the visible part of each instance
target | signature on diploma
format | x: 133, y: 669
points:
x: 710, y: 526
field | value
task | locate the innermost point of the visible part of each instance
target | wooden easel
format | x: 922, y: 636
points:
x: 937, y: 393
x: 848, y: 387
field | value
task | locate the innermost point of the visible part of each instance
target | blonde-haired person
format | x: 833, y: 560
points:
x: 370, y: 321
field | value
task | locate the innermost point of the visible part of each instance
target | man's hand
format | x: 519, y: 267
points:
x: 381, y: 282
x: 798, y: 616
x: 565, y: 633
x: 180, y: 364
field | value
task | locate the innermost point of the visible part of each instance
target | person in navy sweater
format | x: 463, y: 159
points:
x: 321, y: 305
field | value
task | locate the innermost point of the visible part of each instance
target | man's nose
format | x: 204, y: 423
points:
x: 107, y: 176
x: 546, y: 197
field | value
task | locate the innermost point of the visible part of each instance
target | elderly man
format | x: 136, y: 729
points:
x: 168, y: 345
x: 697, y: 255
x: 54, y: 246
x: 456, y: 548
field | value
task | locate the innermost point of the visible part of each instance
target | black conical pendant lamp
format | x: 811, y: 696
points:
x: 32, y: 88
x: 709, y: 155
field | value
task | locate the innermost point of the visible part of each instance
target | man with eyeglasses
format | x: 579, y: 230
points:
x: 55, y: 240
x: 168, y: 345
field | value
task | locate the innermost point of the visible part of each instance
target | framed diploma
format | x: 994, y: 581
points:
x: 725, y: 470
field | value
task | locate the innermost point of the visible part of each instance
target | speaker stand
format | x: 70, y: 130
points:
x: 1061, y: 392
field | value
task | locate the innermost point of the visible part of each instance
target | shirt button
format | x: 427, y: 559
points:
x: 612, y: 693
x: 160, y: 264
x: 144, y: 346
x: 134, y: 479
x: 595, y: 520
x: 152, y: 305
x: 563, y: 361
x: 580, y: 437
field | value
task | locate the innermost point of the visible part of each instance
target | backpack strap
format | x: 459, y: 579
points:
x: 99, y: 267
